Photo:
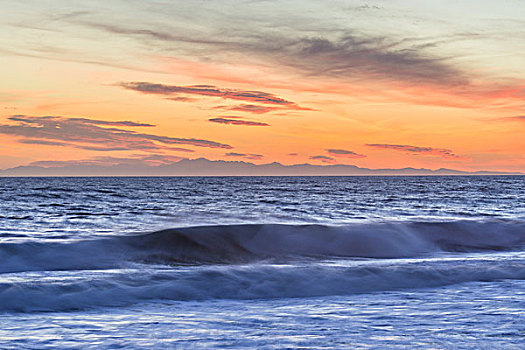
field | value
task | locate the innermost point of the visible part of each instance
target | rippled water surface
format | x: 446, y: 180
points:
x: 257, y: 262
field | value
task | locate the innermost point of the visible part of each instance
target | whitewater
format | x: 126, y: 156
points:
x: 263, y: 262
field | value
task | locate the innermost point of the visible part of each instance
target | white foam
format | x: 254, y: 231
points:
x: 254, y: 281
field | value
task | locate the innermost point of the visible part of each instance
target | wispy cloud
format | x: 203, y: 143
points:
x: 182, y: 99
x: 26, y: 119
x: 324, y: 159
x: 245, y: 155
x: 256, y: 109
x: 134, y: 160
x: 442, y: 152
x: 517, y: 118
x: 349, y: 54
x: 354, y: 55
x: 154, y: 33
x: 236, y: 122
x: 110, y: 123
x: 42, y: 142
x: 344, y: 153
x: 334, y: 48
x: 88, y: 134
x: 210, y: 90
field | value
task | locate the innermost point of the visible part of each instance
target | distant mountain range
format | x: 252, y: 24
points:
x: 205, y: 167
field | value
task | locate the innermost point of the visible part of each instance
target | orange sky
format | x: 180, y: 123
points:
x: 375, y: 84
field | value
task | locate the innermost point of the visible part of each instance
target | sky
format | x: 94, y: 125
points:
x: 377, y: 84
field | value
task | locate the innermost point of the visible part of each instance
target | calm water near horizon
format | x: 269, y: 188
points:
x: 263, y: 262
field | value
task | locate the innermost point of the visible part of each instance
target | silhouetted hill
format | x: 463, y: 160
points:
x: 205, y: 167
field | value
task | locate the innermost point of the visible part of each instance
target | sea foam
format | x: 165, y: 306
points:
x: 61, y: 292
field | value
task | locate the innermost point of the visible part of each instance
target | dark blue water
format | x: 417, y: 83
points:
x: 262, y: 262
x: 66, y: 208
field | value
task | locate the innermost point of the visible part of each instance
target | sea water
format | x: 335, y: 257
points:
x: 262, y: 262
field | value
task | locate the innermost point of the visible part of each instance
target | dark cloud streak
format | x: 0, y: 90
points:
x: 245, y: 155
x: 517, y: 118
x: 346, y: 56
x: 112, y: 123
x: 344, y: 153
x: 133, y: 160
x: 237, y: 122
x: 209, y: 90
x: 324, y: 159
x: 87, y: 134
x: 156, y: 34
x: 42, y: 142
x: 443, y: 152
x: 357, y: 56
x: 249, y: 108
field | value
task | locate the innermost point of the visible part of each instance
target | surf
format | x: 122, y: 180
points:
x: 237, y: 244
x: 60, y: 291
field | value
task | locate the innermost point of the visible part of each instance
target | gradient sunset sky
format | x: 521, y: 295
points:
x: 378, y: 84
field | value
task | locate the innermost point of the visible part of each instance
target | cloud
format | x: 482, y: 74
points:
x: 42, y: 142
x: 244, y: 155
x: 344, y: 153
x: 162, y: 36
x: 25, y: 119
x: 324, y: 159
x: 256, y: 109
x: 337, y: 51
x: 517, y: 118
x: 236, y: 122
x: 210, y: 90
x: 58, y: 55
x: 443, y: 152
x: 88, y: 134
x: 311, y: 45
x: 354, y: 55
x: 134, y: 160
x: 342, y: 53
x: 333, y: 51
x: 407, y: 68
x: 112, y: 123
x: 182, y: 99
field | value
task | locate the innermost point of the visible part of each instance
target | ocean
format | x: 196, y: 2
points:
x: 262, y: 262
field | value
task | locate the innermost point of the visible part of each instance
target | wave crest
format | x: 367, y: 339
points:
x: 249, y: 243
x: 254, y: 281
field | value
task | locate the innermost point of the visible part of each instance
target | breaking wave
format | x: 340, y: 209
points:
x: 233, y: 244
x: 253, y: 281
